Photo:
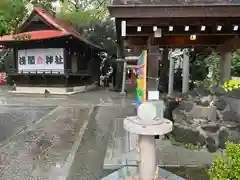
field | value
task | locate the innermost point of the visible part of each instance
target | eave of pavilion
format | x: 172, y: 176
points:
x: 178, y: 41
x: 173, y: 11
x: 178, y: 17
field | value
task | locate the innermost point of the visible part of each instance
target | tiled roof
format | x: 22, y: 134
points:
x: 177, y: 2
x: 61, y: 29
x: 35, y: 35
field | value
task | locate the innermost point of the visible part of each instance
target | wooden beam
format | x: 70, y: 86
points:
x: 181, y: 41
x: 154, y: 11
x: 229, y: 45
x: 179, y: 31
x: 181, y: 21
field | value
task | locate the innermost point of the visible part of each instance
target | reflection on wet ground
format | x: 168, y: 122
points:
x: 15, y: 118
x: 42, y: 150
x: 58, y: 137
x: 67, y: 137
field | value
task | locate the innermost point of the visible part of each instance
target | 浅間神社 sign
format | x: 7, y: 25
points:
x: 41, y: 60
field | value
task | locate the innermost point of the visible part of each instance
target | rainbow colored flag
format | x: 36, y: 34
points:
x: 141, y: 79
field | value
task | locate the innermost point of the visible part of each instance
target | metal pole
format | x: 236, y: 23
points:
x: 148, y: 163
x: 185, y: 81
x: 124, y: 77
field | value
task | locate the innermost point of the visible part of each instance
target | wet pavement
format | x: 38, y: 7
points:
x: 57, y: 137
x: 67, y: 137
x: 13, y: 119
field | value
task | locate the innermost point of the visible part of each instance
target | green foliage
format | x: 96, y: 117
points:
x: 173, y: 141
x: 213, y: 64
x: 235, y: 68
x: 187, y: 146
x: 198, y: 67
x: 80, y: 19
x: 192, y: 146
x: 12, y: 12
x: 91, y: 19
x: 44, y: 4
x: 227, y: 167
x: 103, y: 34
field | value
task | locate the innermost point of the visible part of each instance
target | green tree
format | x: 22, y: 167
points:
x: 235, y: 68
x: 212, y: 62
x: 198, y: 67
x: 103, y: 34
x: 91, y: 19
x: 44, y: 4
x: 12, y: 12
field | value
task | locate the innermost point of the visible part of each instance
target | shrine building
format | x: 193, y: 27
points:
x: 51, y: 55
x: 160, y: 25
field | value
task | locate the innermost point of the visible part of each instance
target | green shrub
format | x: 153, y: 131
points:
x: 192, y: 146
x: 227, y: 166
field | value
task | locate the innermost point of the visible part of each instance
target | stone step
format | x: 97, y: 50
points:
x: 130, y: 172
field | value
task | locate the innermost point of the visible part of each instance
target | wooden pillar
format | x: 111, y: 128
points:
x: 14, y: 65
x: 153, y: 66
x: 97, y: 65
x: 164, y: 69
x: 225, y: 67
x: 119, y: 68
x: 67, y: 60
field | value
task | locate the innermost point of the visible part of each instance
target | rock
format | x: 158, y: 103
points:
x: 186, y: 106
x: 230, y: 115
x: 190, y: 110
x: 211, y: 148
x: 204, y: 101
x: 233, y: 135
x: 220, y: 104
x: 205, y: 120
x: 222, y: 138
x: 211, y: 128
x: 199, y: 121
x: 210, y: 140
x: 211, y: 144
x: 186, y: 134
x: 208, y: 113
x: 170, y: 106
x: 199, y: 92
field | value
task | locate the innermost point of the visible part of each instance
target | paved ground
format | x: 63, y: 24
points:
x: 58, y: 137
x: 15, y: 118
x: 66, y: 137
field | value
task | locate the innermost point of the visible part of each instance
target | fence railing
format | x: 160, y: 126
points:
x: 50, y: 71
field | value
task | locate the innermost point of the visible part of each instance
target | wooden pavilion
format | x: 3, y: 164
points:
x: 154, y: 24
x: 51, y: 55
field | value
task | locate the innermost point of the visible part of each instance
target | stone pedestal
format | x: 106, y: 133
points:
x: 147, y: 125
